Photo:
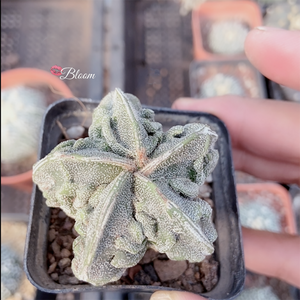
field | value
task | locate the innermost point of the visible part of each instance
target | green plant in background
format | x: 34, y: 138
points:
x: 11, y: 271
x: 130, y: 186
x: 22, y: 110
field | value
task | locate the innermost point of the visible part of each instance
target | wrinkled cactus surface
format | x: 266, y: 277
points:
x: 130, y: 186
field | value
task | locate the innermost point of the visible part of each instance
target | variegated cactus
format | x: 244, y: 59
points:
x: 129, y: 187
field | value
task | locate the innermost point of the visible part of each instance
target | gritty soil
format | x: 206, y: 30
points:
x: 154, y: 269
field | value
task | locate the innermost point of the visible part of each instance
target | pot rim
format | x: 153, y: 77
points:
x: 18, y: 76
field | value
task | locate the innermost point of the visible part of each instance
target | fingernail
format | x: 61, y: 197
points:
x: 261, y: 28
x: 160, y: 296
x: 264, y: 28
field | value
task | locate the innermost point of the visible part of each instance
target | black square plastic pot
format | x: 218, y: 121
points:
x: 228, y: 246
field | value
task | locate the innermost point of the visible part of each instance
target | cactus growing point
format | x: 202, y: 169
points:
x: 130, y: 186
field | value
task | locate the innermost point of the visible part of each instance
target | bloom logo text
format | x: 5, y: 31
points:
x: 70, y: 73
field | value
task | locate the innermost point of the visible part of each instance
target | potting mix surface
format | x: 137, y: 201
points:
x: 154, y: 269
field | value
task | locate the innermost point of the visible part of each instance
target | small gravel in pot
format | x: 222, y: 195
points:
x: 154, y: 268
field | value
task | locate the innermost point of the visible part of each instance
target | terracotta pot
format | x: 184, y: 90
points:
x: 245, y: 11
x: 30, y: 76
x: 284, y: 208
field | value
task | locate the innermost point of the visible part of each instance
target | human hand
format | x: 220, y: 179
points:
x: 266, y: 143
x: 265, y: 133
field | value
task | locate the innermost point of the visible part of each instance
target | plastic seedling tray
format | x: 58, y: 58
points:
x: 218, y: 78
x: 228, y: 246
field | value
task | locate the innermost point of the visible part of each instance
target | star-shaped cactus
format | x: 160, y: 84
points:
x: 129, y: 187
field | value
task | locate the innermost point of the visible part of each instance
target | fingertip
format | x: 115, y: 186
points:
x: 183, y: 103
x: 258, y: 34
x: 275, y: 53
x: 214, y: 105
x: 172, y: 295
x: 252, y: 40
x: 248, y: 45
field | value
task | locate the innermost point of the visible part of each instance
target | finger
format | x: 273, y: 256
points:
x: 275, y: 53
x: 170, y: 295
x: 273, y: 254
x: 266, y: 169
x: 265, y: 128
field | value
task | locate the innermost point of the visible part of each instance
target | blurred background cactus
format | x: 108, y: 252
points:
x: 21, y: 115
x: 285, y: 15
x: 227, y: 37
x: 219, y: 85
x: 11, y: 271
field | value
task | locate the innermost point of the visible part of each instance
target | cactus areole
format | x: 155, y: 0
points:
x: 130, y: 186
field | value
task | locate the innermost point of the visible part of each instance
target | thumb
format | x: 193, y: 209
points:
x: 220, y: 106
x: 170, y: 295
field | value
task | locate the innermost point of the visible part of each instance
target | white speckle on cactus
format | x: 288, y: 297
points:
x: 130, y: 187
x: 22, y: 110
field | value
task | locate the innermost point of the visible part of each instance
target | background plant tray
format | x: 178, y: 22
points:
x: 44, y: 33
x: 158, y: 51
x: 142, y: 46
x: 279, y: 93
x: 228, y: 247
x: 246, y: 76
